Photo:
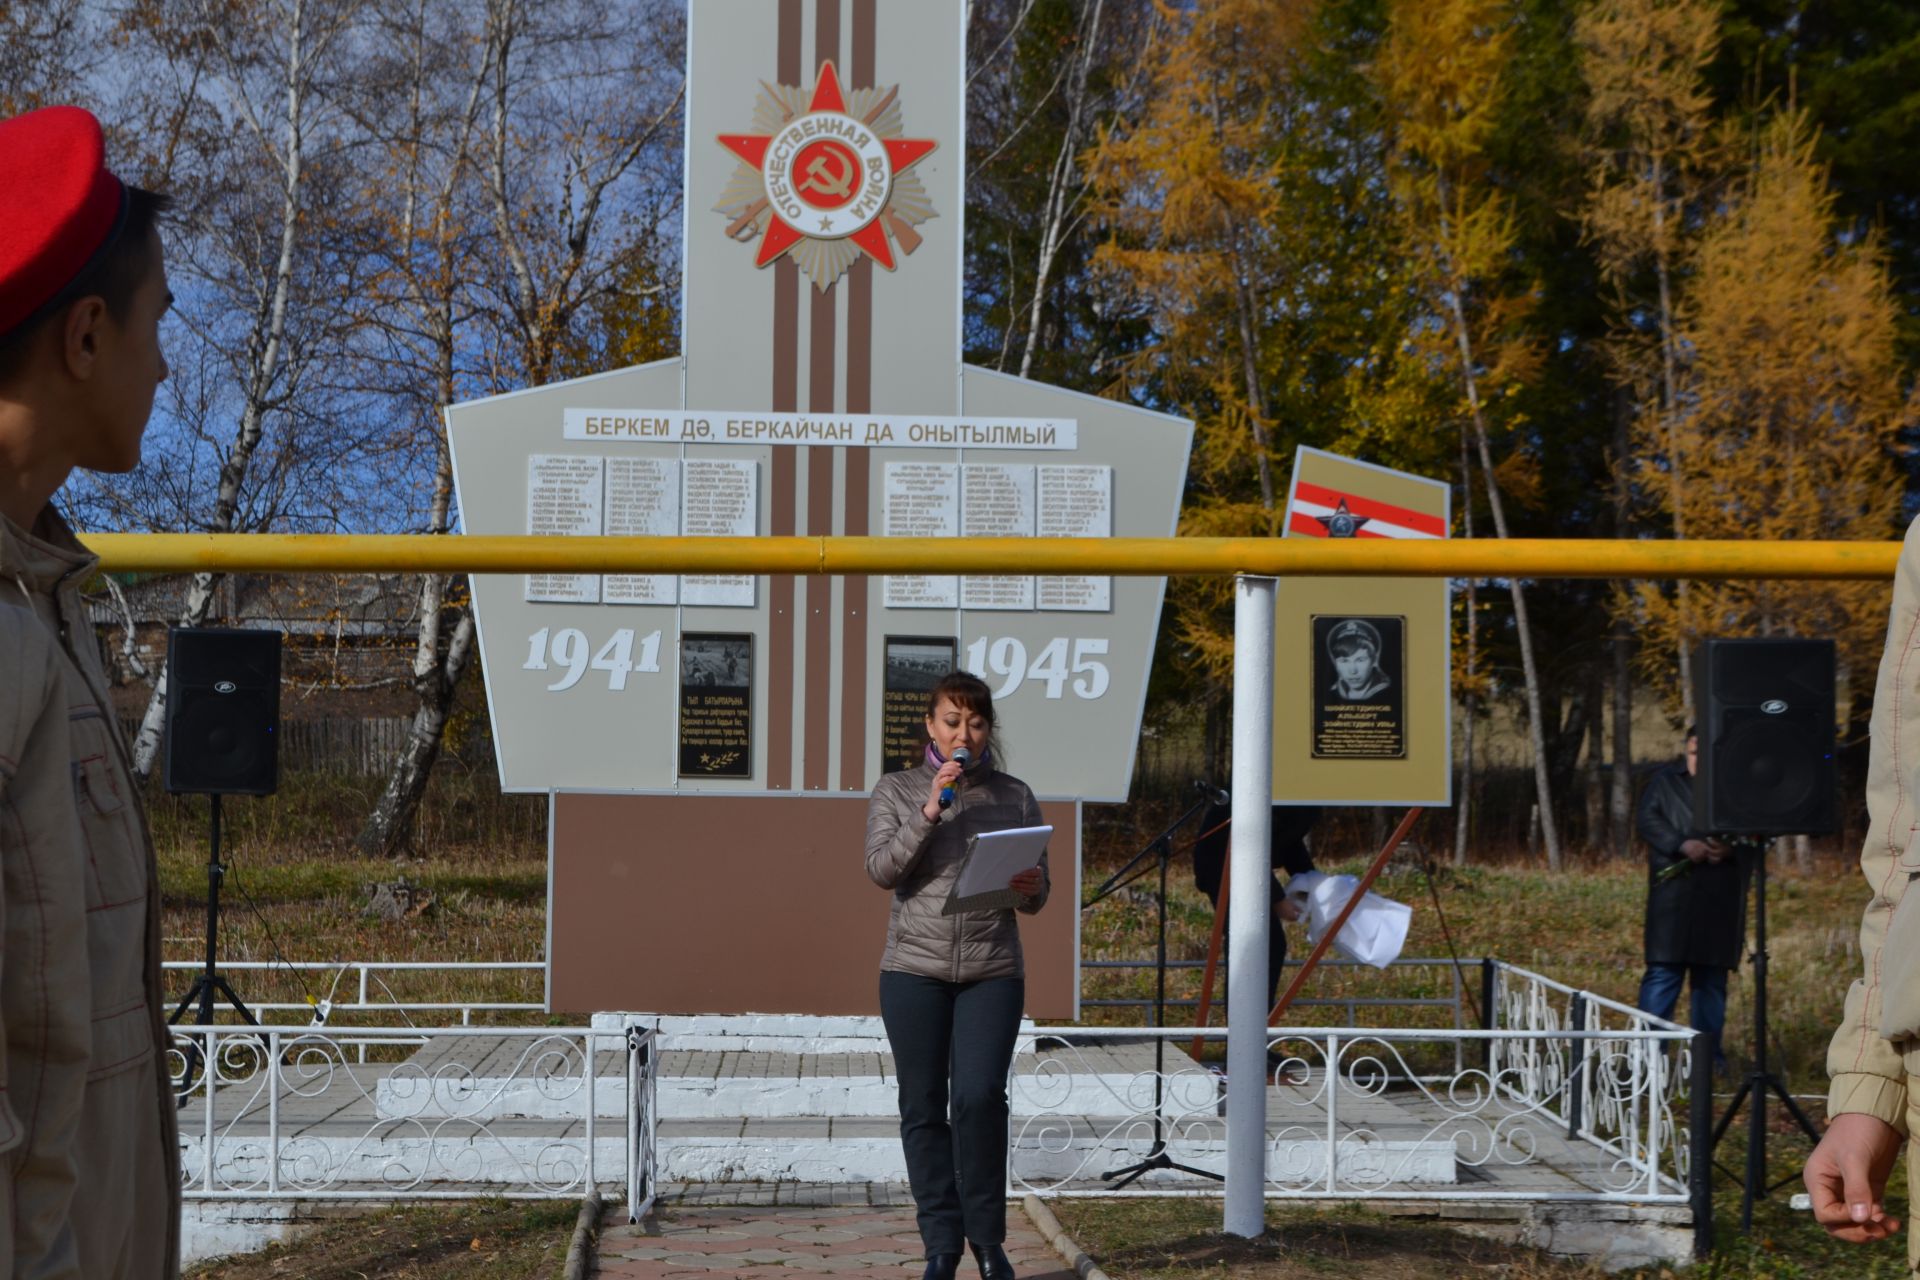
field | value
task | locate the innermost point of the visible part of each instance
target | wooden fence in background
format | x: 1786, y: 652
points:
x: 339, y: 745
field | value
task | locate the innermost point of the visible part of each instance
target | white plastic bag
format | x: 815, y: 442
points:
x: 1374, y: 933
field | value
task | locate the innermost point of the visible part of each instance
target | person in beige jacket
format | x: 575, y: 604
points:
x: 952, y: 986
x: 89, y: 1153
x: 1873, y: 1105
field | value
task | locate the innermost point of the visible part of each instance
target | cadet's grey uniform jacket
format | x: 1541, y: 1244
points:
x: 89, y: 1155
x: 920, y: 860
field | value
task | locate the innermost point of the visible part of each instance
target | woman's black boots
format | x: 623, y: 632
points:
x: 994, y: 1264
x: 941, y: 1266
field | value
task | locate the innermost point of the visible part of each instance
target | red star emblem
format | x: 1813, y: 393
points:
x: 827, y: 175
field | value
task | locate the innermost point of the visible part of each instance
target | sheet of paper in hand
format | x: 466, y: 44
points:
x: 992, y: 860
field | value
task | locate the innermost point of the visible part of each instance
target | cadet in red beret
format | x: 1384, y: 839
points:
x: 89, y: 1155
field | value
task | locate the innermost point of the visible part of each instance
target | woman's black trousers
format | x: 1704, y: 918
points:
x: 952, y: 1046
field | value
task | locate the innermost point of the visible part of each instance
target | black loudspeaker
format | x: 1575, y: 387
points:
x: 223, y: 711
x: 1765, y: 719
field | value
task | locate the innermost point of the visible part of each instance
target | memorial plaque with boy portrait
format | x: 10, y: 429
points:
x: 1359, y: 681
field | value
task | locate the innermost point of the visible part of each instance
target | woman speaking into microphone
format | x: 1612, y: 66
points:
x: 952, y: 986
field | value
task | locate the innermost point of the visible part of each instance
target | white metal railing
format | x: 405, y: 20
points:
x: 1553, y: 1111
x: 643, y: 1121
x: 370, y: 992
x: 1597, y: 1076
x: 1455, y: 1004
x: 288, y: 1112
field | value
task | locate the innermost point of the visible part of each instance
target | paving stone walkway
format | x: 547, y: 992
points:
x: 689, y: 1238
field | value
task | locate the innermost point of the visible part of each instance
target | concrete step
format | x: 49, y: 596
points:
x: 532, y: 1153
x: 467, y: 1077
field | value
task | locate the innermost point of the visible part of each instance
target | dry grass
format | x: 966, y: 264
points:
x: 487, y: 1240
x: 1182, y: 1240
x: 297, y: 890
x: 1581, y: 926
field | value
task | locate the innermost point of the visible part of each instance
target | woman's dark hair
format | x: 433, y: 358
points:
x: 113, y: 275
x: 969, y: 693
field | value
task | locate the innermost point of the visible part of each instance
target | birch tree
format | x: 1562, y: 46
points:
x: 44, y: 48
x: 532, y: 185
x: 246, y: 206
x: 1042, y: 76
x: 1062, y: 187
x: 577, y: 168
x: 420, y: 108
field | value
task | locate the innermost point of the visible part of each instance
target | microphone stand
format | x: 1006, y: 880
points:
x: 1161, y: 848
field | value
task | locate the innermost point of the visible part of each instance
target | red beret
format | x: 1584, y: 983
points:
x: 58, y: 205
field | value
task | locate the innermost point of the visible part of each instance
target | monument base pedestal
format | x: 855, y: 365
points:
x: 728, y: 904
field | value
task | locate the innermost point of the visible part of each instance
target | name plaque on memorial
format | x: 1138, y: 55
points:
x: 1359, y: 681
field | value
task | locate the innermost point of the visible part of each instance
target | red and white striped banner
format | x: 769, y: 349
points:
x: 1314, y: 508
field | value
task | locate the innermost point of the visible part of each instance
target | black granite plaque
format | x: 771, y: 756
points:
x: 716, y: 705
x: 915, y: 664
x: 1359, y: 687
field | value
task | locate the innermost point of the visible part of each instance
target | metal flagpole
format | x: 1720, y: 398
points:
x: 1251, y: 906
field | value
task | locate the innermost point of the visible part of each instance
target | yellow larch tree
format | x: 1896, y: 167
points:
x: 1790, y: 335
x: 1189, y: 194
x: 1440, y: 77
x: 1649, y: 142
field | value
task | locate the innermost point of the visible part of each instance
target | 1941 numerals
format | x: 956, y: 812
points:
x: 568, y: 648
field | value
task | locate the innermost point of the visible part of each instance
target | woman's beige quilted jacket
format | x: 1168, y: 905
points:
x: 919, y: 861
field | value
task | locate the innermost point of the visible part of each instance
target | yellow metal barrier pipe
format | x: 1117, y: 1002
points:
x: 1274, y: 557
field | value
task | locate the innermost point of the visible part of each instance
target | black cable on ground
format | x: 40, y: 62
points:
x: 273, y: 942
x: 1466, y: 988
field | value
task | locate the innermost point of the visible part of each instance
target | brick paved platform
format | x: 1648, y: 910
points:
x: 690, y: 1238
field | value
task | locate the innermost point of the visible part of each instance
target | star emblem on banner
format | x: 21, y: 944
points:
x: 1342, y: 523
x: 826, y: 176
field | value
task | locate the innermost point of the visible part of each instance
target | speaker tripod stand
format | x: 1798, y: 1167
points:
x: 210, y: 986
x: 1761, y: 1079
x: 1160, y: 848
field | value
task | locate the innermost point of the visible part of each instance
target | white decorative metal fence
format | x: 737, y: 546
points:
x: 1563, y: 1096
x: 344, y: 989
x: 397, y: 1113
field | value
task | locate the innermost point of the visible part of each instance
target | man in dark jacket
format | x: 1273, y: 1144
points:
x: 1696, y: 924
x: 1288, y: 843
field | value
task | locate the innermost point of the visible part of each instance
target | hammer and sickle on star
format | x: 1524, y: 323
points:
x: 820, y: 177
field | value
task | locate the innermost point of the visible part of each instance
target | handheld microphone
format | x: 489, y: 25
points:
x: 960, y: 757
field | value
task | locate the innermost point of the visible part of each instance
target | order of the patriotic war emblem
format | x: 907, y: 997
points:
x: 826, y: 177
x: 1342, y: 523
